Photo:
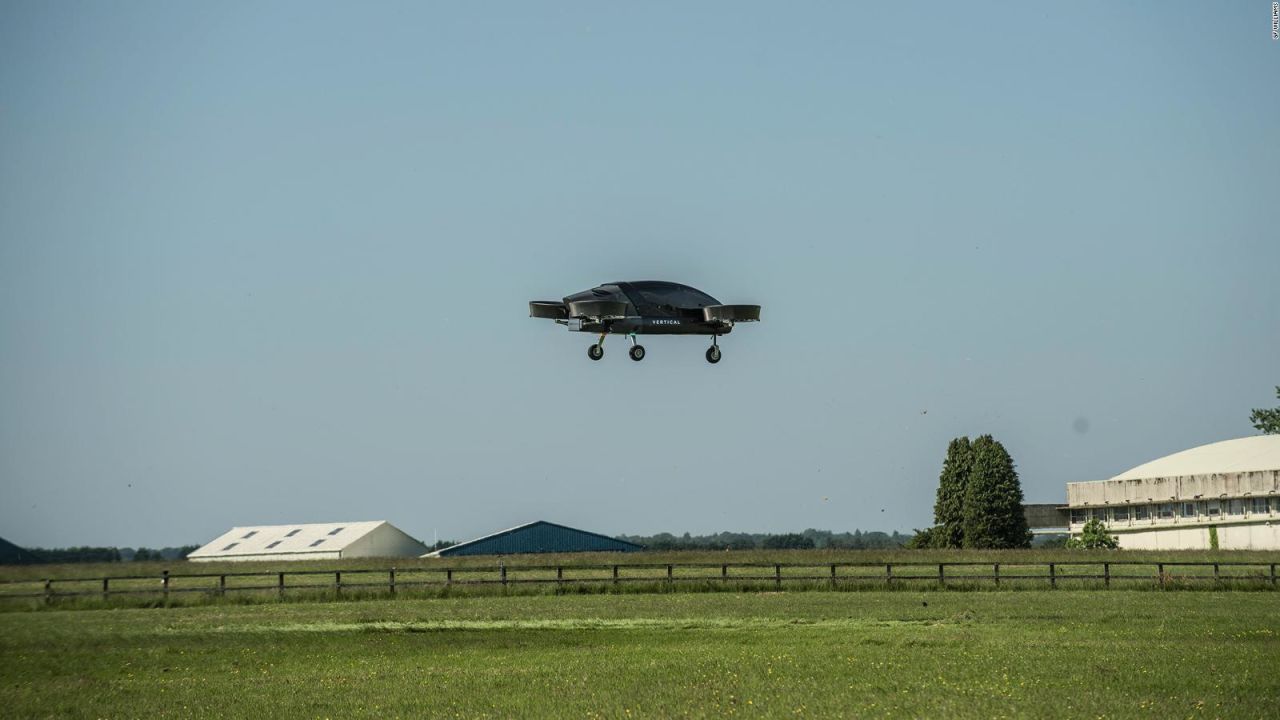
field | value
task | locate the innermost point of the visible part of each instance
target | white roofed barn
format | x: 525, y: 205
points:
x: 313, y: 541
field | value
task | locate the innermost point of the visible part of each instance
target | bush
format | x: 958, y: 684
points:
x: 1094, y: 537
x: 928, y: 538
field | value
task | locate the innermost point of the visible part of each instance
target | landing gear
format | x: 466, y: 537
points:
x: 637, y: 351
x: 713, y: 352
x: 595, y: 352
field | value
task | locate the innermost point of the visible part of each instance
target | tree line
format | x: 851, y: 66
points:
x: 808, y: 539
x: 87, y: 554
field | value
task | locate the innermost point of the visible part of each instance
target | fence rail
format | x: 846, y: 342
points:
x: 829, y: 575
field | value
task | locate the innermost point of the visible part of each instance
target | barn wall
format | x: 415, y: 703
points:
x: 384, y: 541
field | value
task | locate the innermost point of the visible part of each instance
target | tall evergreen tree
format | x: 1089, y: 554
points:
x: 993, y: 500
x: 948, y: 509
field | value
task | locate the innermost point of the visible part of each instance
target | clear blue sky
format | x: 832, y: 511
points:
x: 268, y: 262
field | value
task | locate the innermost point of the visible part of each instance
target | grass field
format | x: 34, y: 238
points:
x: 868, y: 654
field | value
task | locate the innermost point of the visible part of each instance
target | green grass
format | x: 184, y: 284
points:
x: 871, y: 654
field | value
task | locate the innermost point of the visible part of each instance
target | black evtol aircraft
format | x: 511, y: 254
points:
x: 648, y: 307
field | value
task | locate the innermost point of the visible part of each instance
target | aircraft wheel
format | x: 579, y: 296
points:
x: 713, y: 354
x: 595, y: 352
x: 636, y: 352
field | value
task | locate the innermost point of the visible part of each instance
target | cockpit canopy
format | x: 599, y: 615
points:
x: 649, y: 297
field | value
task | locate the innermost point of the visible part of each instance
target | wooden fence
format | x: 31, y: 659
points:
x: 708, y: 575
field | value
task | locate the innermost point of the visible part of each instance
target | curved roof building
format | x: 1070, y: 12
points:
x: 1260, y: 452
x: 1222, y: 495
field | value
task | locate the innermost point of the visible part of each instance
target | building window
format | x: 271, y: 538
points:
x: 1099, y: 514
x: 1079, y: 517
x: 277, y: 542
x: 1258, y: 506
x: 1235, y: 506
x: 1188, y: 509
x: 1121, y: 514
x: 1141, y: 512
x: 230, y: 546
x: 1166, y: 511
x: 336, y: 530
x: 317, y: 542
x: 1213, y: 508
x: 291, y: 533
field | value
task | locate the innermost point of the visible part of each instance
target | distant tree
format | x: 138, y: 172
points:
x: 179, y: 553
x: 948, y: 508
x: 993, y: 515
x: 788, y: 541
x: 80, y: 554
x: 1268, y: 421
x: 1093, y: 536
x: 741, y: 542
x: 146, y: 554
x: 820, y: 538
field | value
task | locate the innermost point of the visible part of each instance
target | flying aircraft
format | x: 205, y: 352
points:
x: 648, y: 307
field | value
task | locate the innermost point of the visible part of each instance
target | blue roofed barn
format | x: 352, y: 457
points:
x: 11, y: 554
x: 538, y: 537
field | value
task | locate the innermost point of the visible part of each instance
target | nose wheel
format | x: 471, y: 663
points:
x: 713, y: 352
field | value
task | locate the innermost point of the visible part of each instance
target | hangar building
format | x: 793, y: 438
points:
x: 538, y: 537
x: 1228, y: 489
x: 315, y: 541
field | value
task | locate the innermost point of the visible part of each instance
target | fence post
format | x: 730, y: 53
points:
x: 1273, y: 573
x: 1160, y: 573
x: 833, y: 575
x: 670, y: 580
x: 777, y: 576
x: 337, y: 583
x: 1053, y: 576
x: 503, y: 572
x: 996, y: 572
x: 280, y: 584
x: 1215, y: 572
x: 1106, y: 574
x: 391, y: 581
x: 48, y: 586
x: 105, y: 591
x: 164, y: 582
x: 615, y: 574
x: 448, y: 576
x: 724, y: 573
x: 888, y: 574
x: 942, y: 580
x: 222, y: 586
x: 559, y: 578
